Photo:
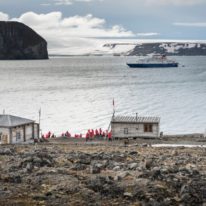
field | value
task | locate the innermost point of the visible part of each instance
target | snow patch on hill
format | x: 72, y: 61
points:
x: 174, y: 47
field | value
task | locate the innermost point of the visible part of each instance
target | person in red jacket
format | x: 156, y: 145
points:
x: 87, y: 136
x: 92, y: 134
x: 96, y: 133
x: 110, y: 136
x: 100, y: 132
x: 49, y: 134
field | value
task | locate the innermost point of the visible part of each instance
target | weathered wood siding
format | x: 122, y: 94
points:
x: 4, y: 132
x: 134, y: 130
x: 23, y: 133
x: 17, y: 135
x: 28, y: 129
x: 36, y: 131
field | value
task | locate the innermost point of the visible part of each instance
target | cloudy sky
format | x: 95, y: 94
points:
x: 84, y: 23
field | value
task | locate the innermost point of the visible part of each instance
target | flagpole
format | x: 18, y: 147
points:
x: 113, y: 108
x: 112, y: 114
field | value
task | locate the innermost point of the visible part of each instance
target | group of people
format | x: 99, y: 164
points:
x: 91, y: 134
x: 48, y: 135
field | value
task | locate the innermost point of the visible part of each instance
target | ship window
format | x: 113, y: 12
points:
x: 148, y: 128
x: 126, y: 131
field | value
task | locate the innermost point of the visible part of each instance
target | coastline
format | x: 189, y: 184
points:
x: 178, y: 139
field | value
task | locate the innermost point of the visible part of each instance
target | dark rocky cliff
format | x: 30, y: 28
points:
x: 18, y: 41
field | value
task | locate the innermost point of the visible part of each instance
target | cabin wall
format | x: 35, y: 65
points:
x: 36, y: 131
x: 17, y: 135
x: 119, y: 130
x: 4, y: 136
x: 22, y: 133
x: 28, y: 132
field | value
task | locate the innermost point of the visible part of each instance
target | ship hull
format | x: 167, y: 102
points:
x: 152, y: 65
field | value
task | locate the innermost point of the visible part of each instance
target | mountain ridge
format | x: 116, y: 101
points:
x: 167, y: 48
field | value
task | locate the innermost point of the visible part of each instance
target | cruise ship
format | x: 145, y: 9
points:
x: 156, y: 61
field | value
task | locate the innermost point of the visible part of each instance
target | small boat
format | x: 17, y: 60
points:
x: 156, y: 61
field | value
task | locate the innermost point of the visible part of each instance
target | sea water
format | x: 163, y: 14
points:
x: 76, y: 93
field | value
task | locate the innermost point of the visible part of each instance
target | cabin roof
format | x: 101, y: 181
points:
x: 133, y: 119
x: 13, y: 121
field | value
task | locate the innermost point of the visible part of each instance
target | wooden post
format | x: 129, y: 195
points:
x: 24, y: 133
x: 38, y: 131
x: 10, y: 136
x: 39, y: 128
x: 32, y: 130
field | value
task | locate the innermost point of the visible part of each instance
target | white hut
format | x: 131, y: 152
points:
x: 15, y: 129
x: 133, y: 127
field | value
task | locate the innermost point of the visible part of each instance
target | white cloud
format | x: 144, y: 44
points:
x: 75, y: 26
x: 73, y: 34
x: 40, y: 21
x: 147, y: 34
x: 147, y: 2
x: 4, y: 17
x: 65, y: 2
x: 190, y: 24
x: 175, y: 2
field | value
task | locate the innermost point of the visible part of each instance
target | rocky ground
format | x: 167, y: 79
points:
x: 101, y: 174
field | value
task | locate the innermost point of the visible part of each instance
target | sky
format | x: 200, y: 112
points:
x: 82, y: 25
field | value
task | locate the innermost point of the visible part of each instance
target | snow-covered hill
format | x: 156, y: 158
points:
x: 127, y: 47
x: 168, y: 48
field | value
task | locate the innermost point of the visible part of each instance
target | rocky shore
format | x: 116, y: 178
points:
x: 107, y: 174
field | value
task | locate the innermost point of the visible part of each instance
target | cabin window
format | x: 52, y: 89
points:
x: 148, y: 128
x: 126, y: 131
x: 18, y: 136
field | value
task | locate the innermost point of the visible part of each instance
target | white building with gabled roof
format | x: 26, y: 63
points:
x: 15, y: 129
x: 135, y: 126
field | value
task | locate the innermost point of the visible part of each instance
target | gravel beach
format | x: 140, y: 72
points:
x: 63, y: 172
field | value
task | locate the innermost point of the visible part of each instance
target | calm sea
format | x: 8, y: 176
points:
x: 76, y: 93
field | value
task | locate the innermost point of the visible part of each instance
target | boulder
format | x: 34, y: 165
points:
x: 95, y: 169
x: 133, y: 166
x: 6, y: 151
x: 117, y: 168
x: 105, y: 186
x: 128, y: 195
x: 122, y: 175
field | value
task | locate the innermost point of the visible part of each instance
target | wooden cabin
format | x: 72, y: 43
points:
x: 15, y: 129
x: 135, y: 126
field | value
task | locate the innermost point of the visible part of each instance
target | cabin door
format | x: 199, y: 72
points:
x: 4, y: 139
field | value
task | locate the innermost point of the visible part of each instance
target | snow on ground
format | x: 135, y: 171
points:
x: 178, y: 145
x: 174, y: 47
